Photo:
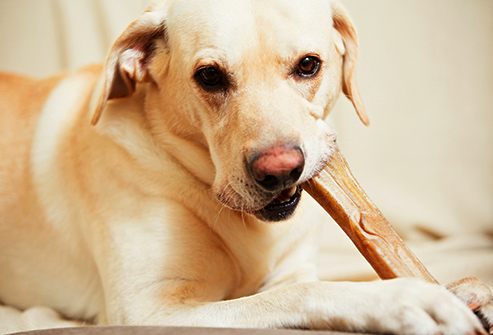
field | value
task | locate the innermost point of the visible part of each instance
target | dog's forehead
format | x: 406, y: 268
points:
x: 235, y: 26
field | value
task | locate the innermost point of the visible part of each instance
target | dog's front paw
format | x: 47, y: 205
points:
x: 478, y: 296
x: 410, y: 306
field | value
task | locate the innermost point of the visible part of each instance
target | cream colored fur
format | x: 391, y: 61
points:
x: 142, y: 216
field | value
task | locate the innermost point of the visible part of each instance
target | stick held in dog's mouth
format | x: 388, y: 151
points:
x: 338, y: 192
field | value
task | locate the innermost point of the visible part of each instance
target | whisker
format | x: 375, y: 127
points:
x: 243, y: 218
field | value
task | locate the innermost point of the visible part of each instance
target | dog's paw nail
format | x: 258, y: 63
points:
x: 473, y: 306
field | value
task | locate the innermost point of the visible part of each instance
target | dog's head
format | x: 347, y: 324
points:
x: 252, y: 81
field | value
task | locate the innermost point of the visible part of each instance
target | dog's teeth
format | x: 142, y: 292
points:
x: 285, y: 195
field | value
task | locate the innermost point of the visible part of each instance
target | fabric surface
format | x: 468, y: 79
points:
x: 426, y: 76
x: 172, y: 331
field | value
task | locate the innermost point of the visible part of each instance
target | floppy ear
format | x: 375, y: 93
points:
x: 348, y: 48
x: 128, y: 59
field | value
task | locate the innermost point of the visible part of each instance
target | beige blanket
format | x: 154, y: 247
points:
x: 425, y: 73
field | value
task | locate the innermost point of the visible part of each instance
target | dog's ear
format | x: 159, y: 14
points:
x: 346, y: 41
x: 128, y: 59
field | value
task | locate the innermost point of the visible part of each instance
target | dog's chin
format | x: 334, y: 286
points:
x: 267, y: 207
x: 281, y: 207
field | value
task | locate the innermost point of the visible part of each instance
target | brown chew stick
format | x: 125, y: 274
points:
x: 336, y: 190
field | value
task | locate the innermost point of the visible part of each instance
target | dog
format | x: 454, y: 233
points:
x: 163, y: 188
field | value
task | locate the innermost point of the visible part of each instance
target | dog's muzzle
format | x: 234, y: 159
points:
x: 276, y: 170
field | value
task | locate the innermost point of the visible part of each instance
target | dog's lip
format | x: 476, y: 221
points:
x: 281, y: 207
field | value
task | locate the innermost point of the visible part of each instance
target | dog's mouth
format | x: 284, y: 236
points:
x: 281, y: 207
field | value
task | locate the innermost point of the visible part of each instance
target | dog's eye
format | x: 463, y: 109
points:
x: 308, y: 66
x: 210, y: 78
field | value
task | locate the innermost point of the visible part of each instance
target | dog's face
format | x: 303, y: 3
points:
x: 250, y: 80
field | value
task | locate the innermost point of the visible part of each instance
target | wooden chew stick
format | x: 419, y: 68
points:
x: 336, y: 190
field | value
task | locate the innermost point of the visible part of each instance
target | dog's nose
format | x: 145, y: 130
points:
x: 278, y: 167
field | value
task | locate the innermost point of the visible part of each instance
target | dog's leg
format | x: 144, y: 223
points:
x: 399, y: 306
x: 198, y: 283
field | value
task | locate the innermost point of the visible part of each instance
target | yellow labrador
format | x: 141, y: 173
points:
x: 145, y: 192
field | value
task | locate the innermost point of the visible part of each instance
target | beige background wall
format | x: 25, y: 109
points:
x: 425, y: 73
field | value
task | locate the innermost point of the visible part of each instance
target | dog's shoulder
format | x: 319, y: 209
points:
x: 23, y: 94
x: 17, y: 90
